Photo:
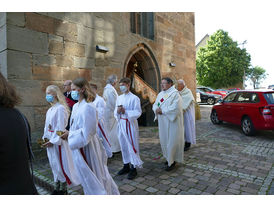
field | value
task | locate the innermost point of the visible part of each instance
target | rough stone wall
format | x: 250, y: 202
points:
x: 175, y: 42
x: 47, y: 48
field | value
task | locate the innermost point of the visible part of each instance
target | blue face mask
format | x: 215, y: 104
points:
x: 75, y: 95
x: 49, y: 98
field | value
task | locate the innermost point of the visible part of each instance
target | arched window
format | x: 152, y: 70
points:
x: 142, y: 23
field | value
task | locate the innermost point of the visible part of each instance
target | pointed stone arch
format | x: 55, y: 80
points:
x: 142, y: 68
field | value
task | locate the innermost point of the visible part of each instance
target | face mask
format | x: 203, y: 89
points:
x: 123, y: 89
x: 49, y: 98
x: 75, y: 95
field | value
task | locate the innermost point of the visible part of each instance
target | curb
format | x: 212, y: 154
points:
x: 43, y: 181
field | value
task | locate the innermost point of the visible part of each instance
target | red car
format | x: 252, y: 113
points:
x: 209, y: 90
x: 253, y: 110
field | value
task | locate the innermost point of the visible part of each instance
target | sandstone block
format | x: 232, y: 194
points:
x: 19, y: 65
x: 64, y: 61
x: 56, y: 47
x: 52, y: 73
x: 98, y: 36
x: 85, y: 73
x: 46, y: 83
x: 57, y: 15
x: 83, y: 18
x: 80, y: 62
x: 43, y: 60
x: 30, y: 92
x: 101, y: 62
x: 23, y: 39
x: 40, y: 117
x: 29, y: 114
x: 55, y: 38
x: 3, y: 18
x: 65, y: 29
x: 90, y: 51
x: 3, y: 63
x: 40, y: 23
x: 3, y: 39
x: 16, y: 18
x: 74, y: 49
x: 85, y: 35
x: 70, y: 73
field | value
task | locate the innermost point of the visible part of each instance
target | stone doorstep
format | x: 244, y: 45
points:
x: 42, y: 183
x: 45, y: 183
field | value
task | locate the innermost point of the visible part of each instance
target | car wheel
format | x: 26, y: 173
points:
x: 247, y: 126
x: 210, y: 101
x: 214, y: 117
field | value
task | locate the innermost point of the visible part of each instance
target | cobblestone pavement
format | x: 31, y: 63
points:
x: 223, y: 162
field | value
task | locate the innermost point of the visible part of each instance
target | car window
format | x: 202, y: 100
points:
x: 207, y: 90
x: 269, y: 97
x: 248, y: 97
x: 230, y: 97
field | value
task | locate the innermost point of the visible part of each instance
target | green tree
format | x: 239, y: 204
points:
x: 256, y: 75
x: 221, y: 63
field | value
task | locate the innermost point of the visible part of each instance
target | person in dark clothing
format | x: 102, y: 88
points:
x: 70, y: 101
x: 67, y: 93
x: 15, y: 176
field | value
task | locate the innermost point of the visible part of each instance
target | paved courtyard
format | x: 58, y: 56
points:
x: 223, y: 162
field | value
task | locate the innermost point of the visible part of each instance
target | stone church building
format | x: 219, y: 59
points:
x: 39, y: 49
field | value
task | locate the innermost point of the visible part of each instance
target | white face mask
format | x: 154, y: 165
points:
x: 123, y: 89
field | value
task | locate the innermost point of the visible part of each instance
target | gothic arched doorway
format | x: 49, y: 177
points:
x: 142, y: 68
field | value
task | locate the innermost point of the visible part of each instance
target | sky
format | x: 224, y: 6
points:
x: 243, y: 20
x: 250, y: 20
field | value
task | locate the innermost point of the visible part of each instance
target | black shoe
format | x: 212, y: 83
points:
x: 55, y: 192
x: 187, y: 146
x: 171, y: 167
x: 166, y: 162
x: 186, y: 149
x: 132, y: 174
x: 124, y: 170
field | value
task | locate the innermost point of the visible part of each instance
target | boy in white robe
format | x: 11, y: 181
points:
x: 100, y: 105
x: 127, y: 111
x: 168, y: 111
x: 110, y: 96
x: 89, y: 155
x: 189, y: 114
x: 58, y: 151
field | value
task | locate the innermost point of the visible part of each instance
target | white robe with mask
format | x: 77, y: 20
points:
x: 171, y: 124
x: 188, y: 106
x: 100, y: 105
x: 128, y: 131
x: 59, y: 155
x: 110, y: 96
x: 89, y: 155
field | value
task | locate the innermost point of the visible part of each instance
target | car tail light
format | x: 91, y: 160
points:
x: 265, y: 110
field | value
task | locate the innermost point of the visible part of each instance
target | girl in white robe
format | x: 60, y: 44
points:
x: 88, y: 153
x: 59, y: 154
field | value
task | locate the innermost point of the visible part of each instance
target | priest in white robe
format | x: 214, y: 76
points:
x: 168, y: 111
x: 100, y: 105
x: 188, y: 105
x: 89, y: 155
x: 127, y: 111
x: 110, y: 96
x: 58, y: 151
